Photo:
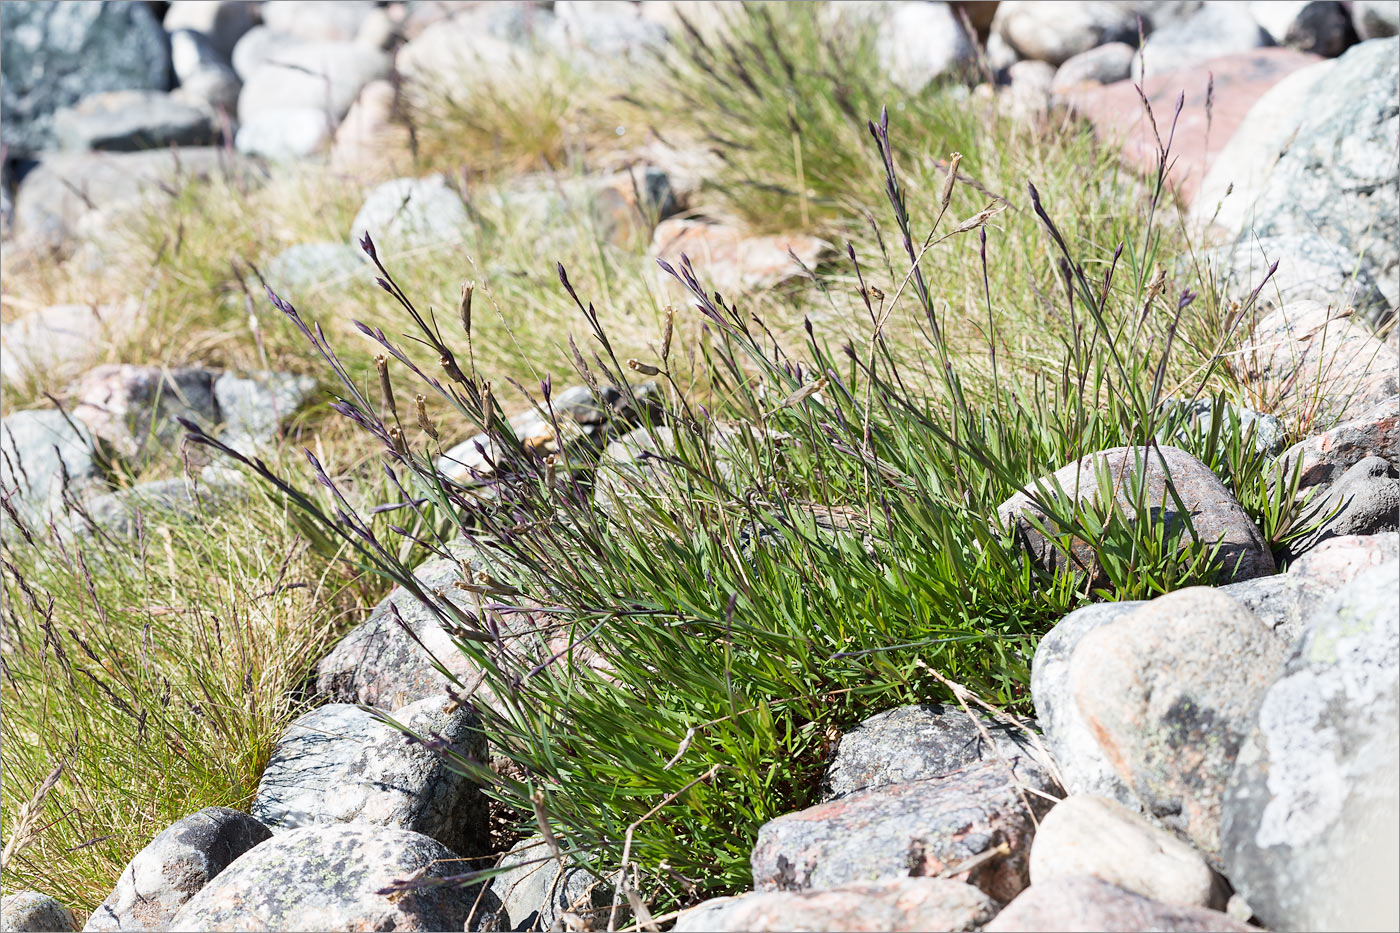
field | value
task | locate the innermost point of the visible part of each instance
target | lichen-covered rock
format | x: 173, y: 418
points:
x: 56, y: 53
x: 253, y: 408
x: 1310, y: 815
x: 1214, y: 514
x: 134, y: 408
x: 32, y: 912
x: 73, y: 194
x: 174, y: 867
x: 331, y: 878
x: 1103, y: 839
x: 406, y: 213
x: 299, y: 272
x: 1083, y: 903
x: 1168, y: 692
x: 125, y: 511
x: 342, y: 764
x: 920, y: 828
x: 533, y: 894
x: 1081, y: 762
x: 1336, y: 178
x: 1317, y: 359
x: 390, y: 660
x: 911, y: 743
x: 38, y: 449
x: 1309, y: 268
x: 128, y: 121
x: 876, y: 906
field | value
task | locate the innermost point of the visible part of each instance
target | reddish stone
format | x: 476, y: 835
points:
x: 1239, y: 80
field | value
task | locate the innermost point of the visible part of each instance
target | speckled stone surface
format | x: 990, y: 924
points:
x: 877, y: 906
x: 1168, y: 691
x: 920, y: 828
x: 174, y: 867
x: 331, y: 878
x: 341, y: 764
x: 1083, y: 903
x: 1310, y: 814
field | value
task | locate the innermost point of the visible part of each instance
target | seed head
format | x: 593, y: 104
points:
x: 946, y: 197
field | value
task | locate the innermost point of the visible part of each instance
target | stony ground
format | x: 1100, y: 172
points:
x: 1213, y: 757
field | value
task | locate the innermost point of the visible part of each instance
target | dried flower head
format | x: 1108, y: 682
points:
x: 386, y: 388
x: 646, y: 369
x: 464, y: 309
x: 424, y: 422
x: 946, y: 197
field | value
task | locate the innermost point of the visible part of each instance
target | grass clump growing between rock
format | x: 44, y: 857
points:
x: 146, y: 678
x: 668, y: 648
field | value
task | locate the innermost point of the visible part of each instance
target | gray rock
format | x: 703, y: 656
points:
x: 1168, y: 691
x: 1375, y: 19
x: 339, y: 21
x: 126, y: 511
x: 1365, y: 501
x: 1027, y: 95
x: 1310, y: 814
x: 921, y: 828
x: 1268, y: 431
x: 382, y: 664
x: 174, y: 867
x: 1057, y: 33
x: 1238, y: 175
x: 877, y: 906
x: 1102, y: 65
x: 921, y: 42
x: 74, y: 192
x: 1081, y: 762
x: 254, y: 407
x: 911, y: 743
x: 411, y: 212
x: 1310, y: 269
x: 1215, y: 30
x: 59, y: 342
x: 325, y: 76
x: 1103, y: 839
x: 127, y: 121
x: 221, y: 22
x: 1337, y: 177
x: 54, y: 54
x: 1215, y: 516
x: 213, y: 89
x: 257, y: 47
x: 1328, y: 569
x: 484, y: 39
x: 602, y: 39
x: 342, y: 764
x: 26, y: 911
x: 534, y: 895
x: 282, y: 134
x: 1269, y: 598
x: 620, y: 208
x: 1308, y: 357
x: 329, y: 877
x: 1322, y: 27
x: 192, y: 51
x: 1085, y: 903
x: 134, y: 408
x: 1323, y: 458
x: 581, y: 418
x: 38, y: 450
